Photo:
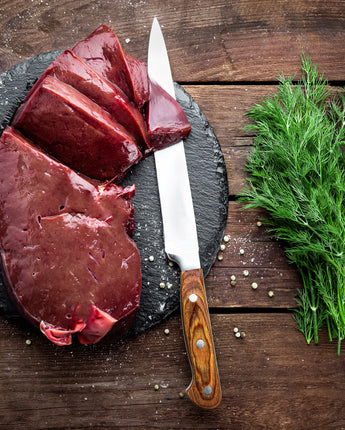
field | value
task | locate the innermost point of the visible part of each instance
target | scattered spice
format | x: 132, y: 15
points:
x: 254, y: 285
x: 235, y: 330
x: 151, y: 258
x: 156, y: 387
x: 259, y: 223
x: 171, y: 263
x: 162, y: 285
x: 222, y: 247
x: 238, y: 334
x: 245, y: 272
x: 166, y: 331
x: 270, y: 293
x: 181, y: 395
x: 226, y: 238
x: 233, y: 277
x: 233, y: 283
x: 220, y: 257
x: 241, y: 251
x: 28, y: 341
x: 169, y: 285
x: 243, y: 334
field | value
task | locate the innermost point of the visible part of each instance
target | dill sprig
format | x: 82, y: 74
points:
x: 297, y: 174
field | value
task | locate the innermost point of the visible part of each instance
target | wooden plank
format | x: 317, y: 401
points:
x: 270, y: 379
x: 251, y: 249
x: 208, y: 40
x: 225, y: 107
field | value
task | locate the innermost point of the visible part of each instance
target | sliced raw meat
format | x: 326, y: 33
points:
x: 166, y: 121
x: 76, y: 131
x: 71, y: 70
x: 67, y: 259
x: 102, y: 51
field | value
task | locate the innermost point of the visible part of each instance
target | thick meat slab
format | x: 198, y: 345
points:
x: 102, y: 51
x: 166, y: 121
x: 68, y: 261
x: 76, y: 131
x: 71, y: 70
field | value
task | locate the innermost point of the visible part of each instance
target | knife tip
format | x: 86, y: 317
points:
x: 155, y: 21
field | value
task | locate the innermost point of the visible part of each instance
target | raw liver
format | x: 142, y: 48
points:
x: 71, y: 70
x: 166, y: 121
x: 68, y: 261
x: 76, y: 131
x: 209, y: 184
x: 102, y: 51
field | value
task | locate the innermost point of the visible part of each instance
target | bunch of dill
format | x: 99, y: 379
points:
x: 297, y: 173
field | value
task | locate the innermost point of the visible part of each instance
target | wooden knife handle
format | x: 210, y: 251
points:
x: 204, y: 390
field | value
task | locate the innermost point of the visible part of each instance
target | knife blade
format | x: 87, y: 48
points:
x: 181, y: 243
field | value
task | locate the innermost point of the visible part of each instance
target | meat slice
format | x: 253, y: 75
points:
x: 76, y: 131
x: 68, y: 261
x: 166, y: 121
x: 102, y: 51
x: 71, y: 70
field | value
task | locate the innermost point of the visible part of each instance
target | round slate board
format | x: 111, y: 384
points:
x: 209, y: 185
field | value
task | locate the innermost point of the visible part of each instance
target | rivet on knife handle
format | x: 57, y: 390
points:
x: 204, y: 390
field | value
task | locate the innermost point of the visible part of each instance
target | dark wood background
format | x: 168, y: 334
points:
x: 227, y: 55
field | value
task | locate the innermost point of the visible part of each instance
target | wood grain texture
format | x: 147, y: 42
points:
x: 251, y: 256
x: 225, y: 107
x: 205, y: 389
x: 227, y: 55
x: 218, y: 41
x: 271, y: 379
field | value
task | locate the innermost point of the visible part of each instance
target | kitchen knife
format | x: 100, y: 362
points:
x: 181, y: 243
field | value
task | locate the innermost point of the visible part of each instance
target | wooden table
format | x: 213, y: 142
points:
x: 227, y: 55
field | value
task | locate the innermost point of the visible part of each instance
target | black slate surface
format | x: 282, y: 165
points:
x: 209, y: 187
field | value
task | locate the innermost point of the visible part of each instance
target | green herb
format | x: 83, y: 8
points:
x: 297, y: 174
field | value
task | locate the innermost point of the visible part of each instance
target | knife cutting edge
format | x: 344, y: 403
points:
x: 181, y: 244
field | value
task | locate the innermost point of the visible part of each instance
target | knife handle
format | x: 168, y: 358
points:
x: 204, y: 390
